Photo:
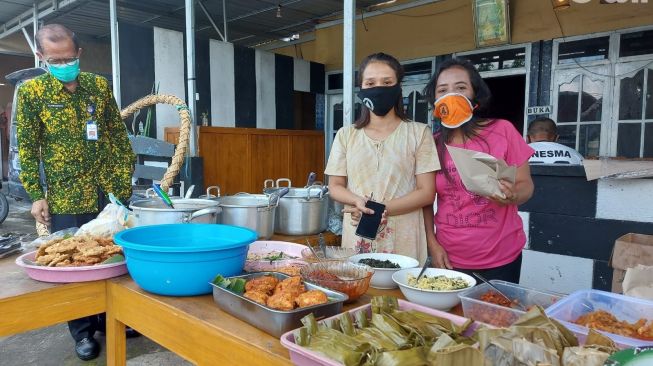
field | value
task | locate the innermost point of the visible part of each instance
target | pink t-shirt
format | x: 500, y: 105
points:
x: 476, y: 232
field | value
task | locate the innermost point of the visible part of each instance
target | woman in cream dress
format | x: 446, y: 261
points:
x: 387, y: 157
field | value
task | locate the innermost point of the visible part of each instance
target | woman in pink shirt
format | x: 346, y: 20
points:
x: 475, y: 233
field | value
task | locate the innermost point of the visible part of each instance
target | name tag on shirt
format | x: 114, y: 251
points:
x: 91, y: 131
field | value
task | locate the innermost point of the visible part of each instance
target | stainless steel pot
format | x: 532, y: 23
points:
x: 153, y: 211
x: 253, y: 211
x: 302, y: 211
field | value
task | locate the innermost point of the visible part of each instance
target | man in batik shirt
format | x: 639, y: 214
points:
x: 71, y: 122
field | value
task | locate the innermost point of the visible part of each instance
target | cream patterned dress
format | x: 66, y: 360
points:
x: 386, y: 169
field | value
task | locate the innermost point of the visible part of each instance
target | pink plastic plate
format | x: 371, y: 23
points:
x: 264, y: 247
x: 70, y: 274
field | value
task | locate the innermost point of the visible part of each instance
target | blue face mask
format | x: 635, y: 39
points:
x: 65, y: 73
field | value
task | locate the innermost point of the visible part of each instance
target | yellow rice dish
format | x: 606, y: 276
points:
x: 437, y: 283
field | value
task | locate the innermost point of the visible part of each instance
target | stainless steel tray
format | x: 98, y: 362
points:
x: 271, y: 321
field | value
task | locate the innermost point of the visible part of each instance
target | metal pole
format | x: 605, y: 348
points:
x: 190, y: 68
x: 31, y: 44
x: 208, y: 15
x: 224, y: 20
x: 35, y: 26
x: 115, y: 52
x: 349, y: 45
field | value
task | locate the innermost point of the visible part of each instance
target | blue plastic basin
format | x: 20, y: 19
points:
x: 181, y: 259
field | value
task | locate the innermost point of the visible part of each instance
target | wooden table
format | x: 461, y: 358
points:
x: 193, y: 327
x: 26, y: 304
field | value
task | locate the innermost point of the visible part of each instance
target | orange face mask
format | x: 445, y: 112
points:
x: 453, y: 110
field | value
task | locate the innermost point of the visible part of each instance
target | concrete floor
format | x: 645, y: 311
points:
x: 53, y: 345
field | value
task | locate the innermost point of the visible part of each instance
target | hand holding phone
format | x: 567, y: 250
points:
x: 368, y: 226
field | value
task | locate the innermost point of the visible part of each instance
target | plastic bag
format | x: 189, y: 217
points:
x: 115, y: 217
x: 65, y: 233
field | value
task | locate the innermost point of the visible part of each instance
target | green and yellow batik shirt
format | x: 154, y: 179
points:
x: 52, y: 124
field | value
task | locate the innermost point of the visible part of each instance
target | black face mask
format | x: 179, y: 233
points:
x: 381, y: 99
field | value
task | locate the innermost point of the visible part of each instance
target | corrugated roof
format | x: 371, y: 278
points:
x: 249, y: 22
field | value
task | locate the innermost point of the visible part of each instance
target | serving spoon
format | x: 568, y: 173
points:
x: 427, y: 264
x: 517, y: 303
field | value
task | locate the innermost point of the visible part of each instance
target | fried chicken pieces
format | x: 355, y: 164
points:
x: 282, y: 295
x: 76, y: 251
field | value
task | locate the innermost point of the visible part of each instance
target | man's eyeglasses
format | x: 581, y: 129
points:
x: 62, y: 61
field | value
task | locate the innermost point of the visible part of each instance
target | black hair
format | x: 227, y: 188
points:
x: 543, y: 125
x: 482, y: 97
x: 364, y: 119
x: 55, y: 33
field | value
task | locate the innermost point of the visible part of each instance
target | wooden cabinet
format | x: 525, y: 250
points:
x: 240, y: 159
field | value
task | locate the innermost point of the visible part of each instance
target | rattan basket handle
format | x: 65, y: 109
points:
x: 184, y: 130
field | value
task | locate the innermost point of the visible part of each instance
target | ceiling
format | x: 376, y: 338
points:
x: 249, y: 22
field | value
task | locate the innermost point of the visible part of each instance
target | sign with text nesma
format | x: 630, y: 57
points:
x: 542, y: 109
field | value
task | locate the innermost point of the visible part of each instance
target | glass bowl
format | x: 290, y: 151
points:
x: 349, y: 278
x: 333, y: 253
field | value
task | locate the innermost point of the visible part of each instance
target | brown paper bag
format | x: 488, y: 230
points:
x: 480, y: 172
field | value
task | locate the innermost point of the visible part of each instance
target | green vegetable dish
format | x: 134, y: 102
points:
x: 377, y: 263
x: 437, y: 283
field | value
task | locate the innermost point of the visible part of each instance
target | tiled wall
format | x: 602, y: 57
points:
x: 236, y: 86
x: 572, y: 224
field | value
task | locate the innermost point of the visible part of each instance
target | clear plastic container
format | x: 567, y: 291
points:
x: 624, y: 308
x: 498, y: 315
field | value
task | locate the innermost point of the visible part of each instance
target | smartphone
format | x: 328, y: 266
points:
x: 368, y: 227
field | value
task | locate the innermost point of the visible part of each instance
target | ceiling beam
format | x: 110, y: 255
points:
x: 44, y: 9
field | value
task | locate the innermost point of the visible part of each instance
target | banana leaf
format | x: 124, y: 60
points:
x: 310, y: 323
x: 500, y: 354
x: 600, y: 342
x: 346, y: 325
x: 339, y: 347
x: 332, y: 323
x: 459, y: 354
x: 415, y: 356
x: 362, y: 321
x: 441, y: 325
x: 583, y: 356
x: 544, y: 337
x: 377, y: 339
x: 391, y: 329
x: 486, y: 336
x: 442, y: 342
x: 419, y: 333
x: 534, y: 354
x: 302, y: 336
x: 384, y: 304
x: 537, y: 318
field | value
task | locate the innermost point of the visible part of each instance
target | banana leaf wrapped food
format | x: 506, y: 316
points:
x: 390, y: 336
